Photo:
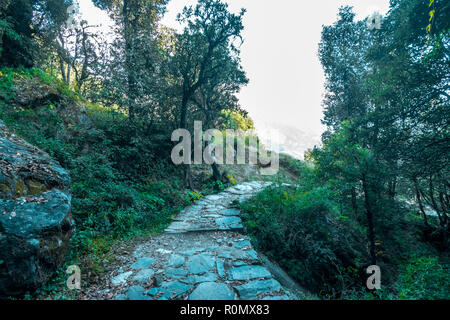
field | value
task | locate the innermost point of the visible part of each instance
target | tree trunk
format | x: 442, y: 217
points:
x: 1, y: 43
x: 62, y: 69
x: 69, y: 67
x: 183, y: 125
x: 369, y: 214
x: 183, y: 114
x: 216, y: 172
x: 419, y: 201
x: 354, y: 203
x: 433, y: 202
x: 392, y: 188
x: 188, y: 177
x: 129, y: 48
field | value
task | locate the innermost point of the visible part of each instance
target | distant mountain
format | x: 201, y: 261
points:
x: 292, y: 141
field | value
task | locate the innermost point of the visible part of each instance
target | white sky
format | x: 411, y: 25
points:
x: 279, y: 54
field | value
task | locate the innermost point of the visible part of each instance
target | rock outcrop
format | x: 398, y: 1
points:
x: 35, y: 219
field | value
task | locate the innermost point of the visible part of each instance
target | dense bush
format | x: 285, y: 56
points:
x: 302, y: 229
x: 424, y: 278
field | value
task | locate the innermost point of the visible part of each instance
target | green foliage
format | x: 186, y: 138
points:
x: 24, y: 32
x: 10, y: 75
x: 214, y: 186
x: 5, y: 28
x: 420, y: 278
x: 120, y: 187
x: 231, y: 179
x: 322, y: 242
x: 303, y: 230
x: 386, y: 111
x: 236, y: 120
x: 193, y: 196
x: 424, y: 278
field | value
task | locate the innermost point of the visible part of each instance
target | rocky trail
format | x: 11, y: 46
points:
x: 202, y: 255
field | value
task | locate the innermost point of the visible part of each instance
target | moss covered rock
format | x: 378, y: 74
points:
x: 35, y: 218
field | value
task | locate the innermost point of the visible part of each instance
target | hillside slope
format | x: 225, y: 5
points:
x: 123, y: 182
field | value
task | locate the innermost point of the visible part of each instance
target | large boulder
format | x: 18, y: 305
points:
x: 34, y: 93
x: 35, y: 219
x: 30, y: 92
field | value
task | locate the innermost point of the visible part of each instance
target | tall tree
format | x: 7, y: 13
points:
x: 205, y: 47
x: 388, y: 95
x: 135, y: 52
x: 342, y: 54
x: 23, y: 22
x: 206, y: 59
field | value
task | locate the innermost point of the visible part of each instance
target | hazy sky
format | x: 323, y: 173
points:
x: 279, y: 54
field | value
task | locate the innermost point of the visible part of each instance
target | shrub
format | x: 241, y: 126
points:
x: 424, y: 278
x: 304, y: 232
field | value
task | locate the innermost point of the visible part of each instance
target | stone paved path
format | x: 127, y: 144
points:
x: 203, y: 255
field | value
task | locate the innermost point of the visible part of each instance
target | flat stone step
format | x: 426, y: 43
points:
x: 198, y: 230
x: 212, y: 291
x: 253, y: 289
